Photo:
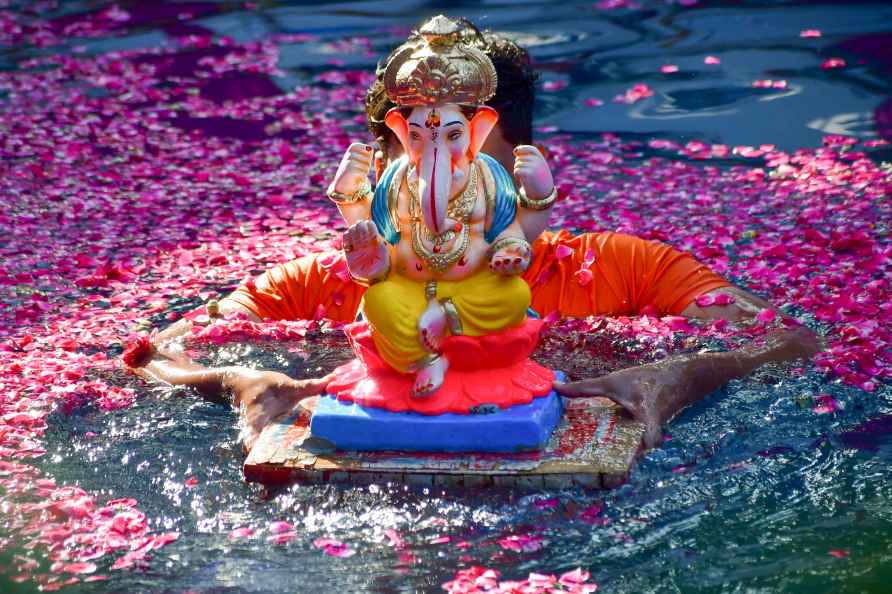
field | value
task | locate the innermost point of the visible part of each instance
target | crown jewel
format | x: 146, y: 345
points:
x: 435, y: 66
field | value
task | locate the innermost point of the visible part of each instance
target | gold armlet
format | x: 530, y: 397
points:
x: 507, y: 242
x: 541, y: 204
x: 430, y: 290
x: 423, y: 362
x: 364, y: 191
x: 452, y: 318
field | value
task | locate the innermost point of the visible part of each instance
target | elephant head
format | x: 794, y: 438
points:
x: 442, y: 143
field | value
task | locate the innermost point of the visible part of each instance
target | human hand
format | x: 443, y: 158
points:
x: 353, y: 170
x: 532, y: 172
x: 638, y: 390
x: 262, y: 396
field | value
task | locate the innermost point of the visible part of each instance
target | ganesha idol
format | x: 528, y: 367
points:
x: 447, y: 331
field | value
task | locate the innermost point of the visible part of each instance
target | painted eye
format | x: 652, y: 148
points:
x: 414, y: 135
x: 454, y: 135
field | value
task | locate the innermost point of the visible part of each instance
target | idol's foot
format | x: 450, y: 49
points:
x: 432, y: 326
x: 430, y: 377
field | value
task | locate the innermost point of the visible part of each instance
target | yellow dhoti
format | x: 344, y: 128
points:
x: 485, y: 303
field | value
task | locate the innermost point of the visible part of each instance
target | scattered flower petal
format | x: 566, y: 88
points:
x: 833, y: 63
x: 334, y: 548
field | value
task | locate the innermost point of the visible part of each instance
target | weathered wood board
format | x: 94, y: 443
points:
x: 594, y: 446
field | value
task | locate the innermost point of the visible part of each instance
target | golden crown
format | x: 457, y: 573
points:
x: 435, y: 66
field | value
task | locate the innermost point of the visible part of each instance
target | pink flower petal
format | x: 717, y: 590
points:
x: 583, y: 276
x: 334, y: 548
x: 394, y: 539
x: 243, y: 532
x: 554, y: 85
x: 678, y: 323
x: 636, y: 93
x: 833, y: 63
x: 574, y: 577
x: 825, y: 403
x: 79, y: 568
x: 281, y: 538
x: 766, y: 316
x: 724, y: 299
x: 280, y: 527
x: 705, y: 300
x: 524, y: 543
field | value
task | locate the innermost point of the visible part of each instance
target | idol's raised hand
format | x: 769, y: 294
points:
x: 532, y: 172
x: 353, y: 172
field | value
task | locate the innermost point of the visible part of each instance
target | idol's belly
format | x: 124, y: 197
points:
x: 409, y: 264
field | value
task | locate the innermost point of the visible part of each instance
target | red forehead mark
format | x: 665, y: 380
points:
x: 433, y: 119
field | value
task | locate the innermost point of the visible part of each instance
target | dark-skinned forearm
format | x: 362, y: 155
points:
x: 210, y: 381
x: 693, y: 377
x: 181, y: 371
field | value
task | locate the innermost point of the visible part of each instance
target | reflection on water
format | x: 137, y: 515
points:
x: 752, y: 490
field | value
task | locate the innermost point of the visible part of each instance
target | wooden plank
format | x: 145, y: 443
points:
x: 593, y: 447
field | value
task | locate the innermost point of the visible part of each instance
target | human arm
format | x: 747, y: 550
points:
x: 742, y: 305
x: 309, y: 286
x: 169, y: 365
x: 259, y: 395
x: 655, y: 393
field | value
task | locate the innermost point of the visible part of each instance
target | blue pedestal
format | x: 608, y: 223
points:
x: 523, y: 427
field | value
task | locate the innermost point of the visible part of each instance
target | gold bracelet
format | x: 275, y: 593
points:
x: 505, y: 242
x: 358, y: 196
x: 368, y: 282
x: 541, y: 204
x: 423, y: 362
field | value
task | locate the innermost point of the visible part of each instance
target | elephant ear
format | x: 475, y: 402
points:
x: 481, y: 125
x: 398, y: 124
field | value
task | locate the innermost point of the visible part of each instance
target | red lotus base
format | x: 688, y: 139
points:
x: 485, y: 370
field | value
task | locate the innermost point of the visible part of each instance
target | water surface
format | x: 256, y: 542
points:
x: 753, y: 490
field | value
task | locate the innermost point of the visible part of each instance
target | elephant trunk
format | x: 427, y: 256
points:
x: 434, y: 186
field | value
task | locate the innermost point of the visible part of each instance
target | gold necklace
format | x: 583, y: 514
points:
x: 459, y: 209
